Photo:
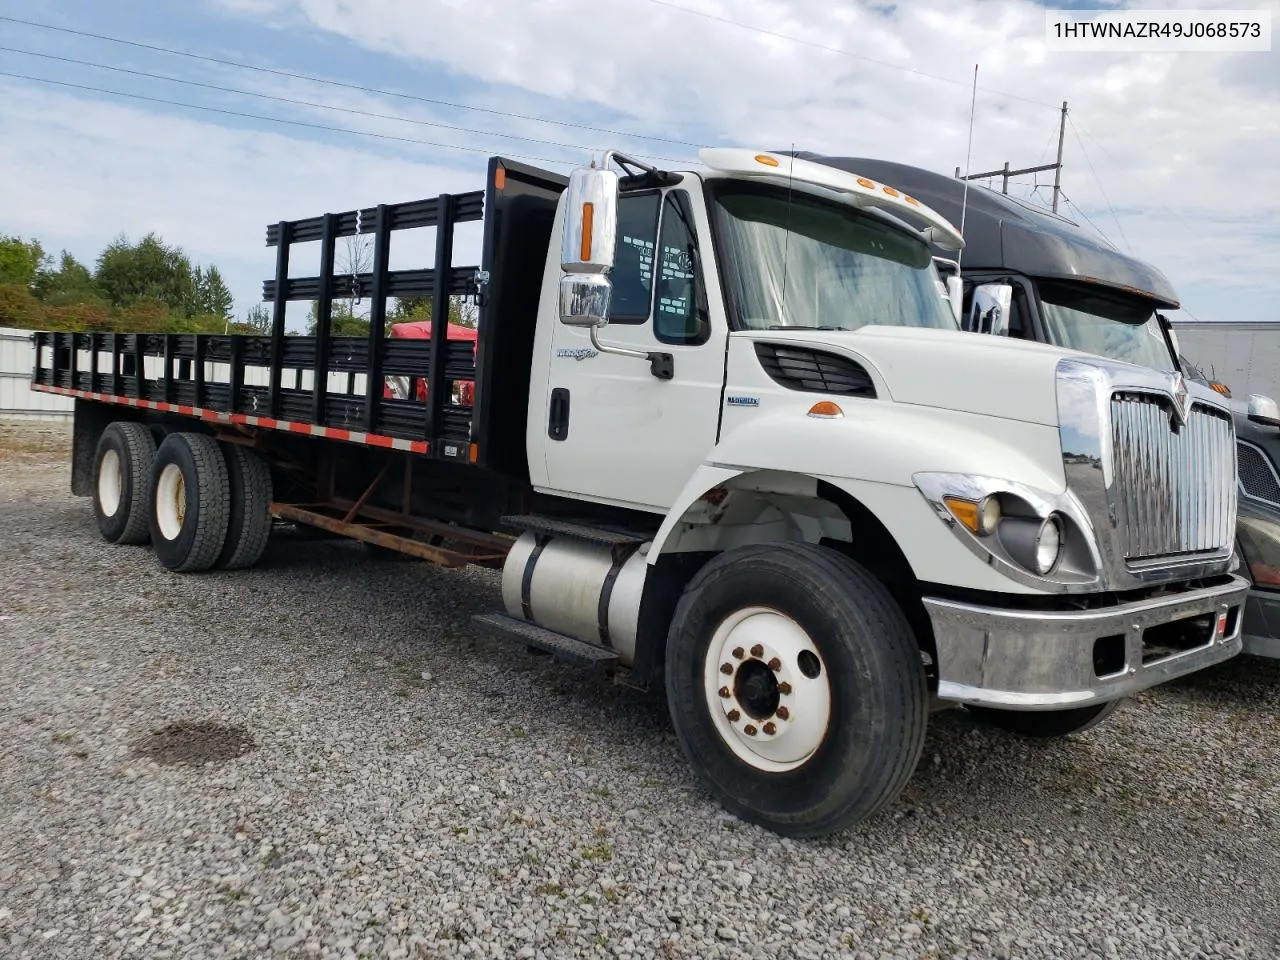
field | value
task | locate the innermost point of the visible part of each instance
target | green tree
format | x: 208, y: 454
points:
x: 342, y: 322
x: 258, y: 320
x: 20, y: 261
x: 127, y: 273
x: 70, y: 285
x: 210, y: 295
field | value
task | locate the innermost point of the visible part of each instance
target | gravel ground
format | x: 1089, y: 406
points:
x: 319, y: 757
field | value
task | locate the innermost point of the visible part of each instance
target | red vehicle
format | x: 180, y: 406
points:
x: 421, y: 330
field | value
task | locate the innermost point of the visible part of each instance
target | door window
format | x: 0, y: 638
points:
x: 679, y: 313
x: 632, y: 273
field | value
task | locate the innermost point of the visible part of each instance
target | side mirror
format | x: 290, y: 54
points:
x: 955, y: 295
x: 587, y: 246
x: 989, y: 312
x: 1264, y: 410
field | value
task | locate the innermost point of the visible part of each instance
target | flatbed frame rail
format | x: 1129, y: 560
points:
x: 320, y: 385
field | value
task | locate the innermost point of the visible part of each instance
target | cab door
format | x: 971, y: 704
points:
x: 615, y: 432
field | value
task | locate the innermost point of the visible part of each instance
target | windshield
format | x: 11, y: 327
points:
x: 1120, y: 328
x: 799, y: 261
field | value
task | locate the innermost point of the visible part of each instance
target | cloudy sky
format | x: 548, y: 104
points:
x: 1173, y: 157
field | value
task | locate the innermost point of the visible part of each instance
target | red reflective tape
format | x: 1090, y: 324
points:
x: 375, y: 440
x: 419, y: 446
x: 337, y: 433
x: 297, y: 427
x: 188, y: 411
x: 269, y: 423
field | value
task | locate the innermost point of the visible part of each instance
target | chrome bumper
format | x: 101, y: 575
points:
x: 1046, y: 660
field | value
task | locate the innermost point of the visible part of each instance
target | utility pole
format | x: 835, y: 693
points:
x: 1005, y: 173
x: 1057, y: 173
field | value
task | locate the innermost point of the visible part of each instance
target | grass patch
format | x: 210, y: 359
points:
x: 601, y: 851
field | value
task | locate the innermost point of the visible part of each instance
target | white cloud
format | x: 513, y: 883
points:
x: 89, y: 170
x: 1186, y: 146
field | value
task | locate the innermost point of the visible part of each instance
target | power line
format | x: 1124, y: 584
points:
x: 1098, y: 181
x: 293, y: 123
x: 1177, y: 217
x: 308, y: 103
x: 830, y: 49
x: 342, y: 83
x: 1075, y: 206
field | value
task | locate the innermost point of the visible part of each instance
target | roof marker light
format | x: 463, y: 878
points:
x: 767, y: 160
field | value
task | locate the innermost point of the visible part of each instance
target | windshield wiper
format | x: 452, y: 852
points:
x: 801, y: 326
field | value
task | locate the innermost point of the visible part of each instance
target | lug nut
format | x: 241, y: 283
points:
x: 724, y: 692
x: 784, y: 688
x: 757, y: 651
x: 770, y: 728
x: 775, y: 664
x: 783, y: 713
x: 726, y: 668
x: 749, y: 730
x: 737, y: 652
x: 734, y: 716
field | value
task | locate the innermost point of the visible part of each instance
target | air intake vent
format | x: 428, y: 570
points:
x: 1257, y: 475
x: 804, y: 368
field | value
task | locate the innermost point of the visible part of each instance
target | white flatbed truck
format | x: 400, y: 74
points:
x: 727, y: 438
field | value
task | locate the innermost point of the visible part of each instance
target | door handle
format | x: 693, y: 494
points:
x: 558, y: 419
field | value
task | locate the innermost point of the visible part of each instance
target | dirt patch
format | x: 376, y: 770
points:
x: 34, y: 440
x: 194, y: 743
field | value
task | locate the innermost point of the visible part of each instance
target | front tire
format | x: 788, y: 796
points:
x: 796, y: 687
x: 1046, y: 724
x: 190, y: 502
x: 122, y: 482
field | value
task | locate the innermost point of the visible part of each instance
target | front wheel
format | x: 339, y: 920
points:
x: 1046, y: 724
x: 796, y: 687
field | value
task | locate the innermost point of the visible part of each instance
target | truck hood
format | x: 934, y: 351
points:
x: 950, y: 369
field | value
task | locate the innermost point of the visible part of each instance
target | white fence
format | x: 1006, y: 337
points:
x: 17, y: 399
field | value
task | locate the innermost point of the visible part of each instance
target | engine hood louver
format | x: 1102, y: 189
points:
x: 814, y: 370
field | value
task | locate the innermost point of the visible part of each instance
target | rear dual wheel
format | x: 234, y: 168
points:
x: 122, y: 482
x: 211, y: 504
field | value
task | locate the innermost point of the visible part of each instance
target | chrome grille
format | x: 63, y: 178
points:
x: 1174, y: 492
x: 1257, y: 475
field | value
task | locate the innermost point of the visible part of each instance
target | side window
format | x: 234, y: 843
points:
x: 679, y: 315
x: 632, y: 273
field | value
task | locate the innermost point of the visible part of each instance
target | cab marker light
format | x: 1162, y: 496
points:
x: 826, y: 410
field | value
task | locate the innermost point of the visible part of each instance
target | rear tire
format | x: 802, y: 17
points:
x: 190, y: 502
x: 1046, y: 724
x: 122, y: 482
x: 820, y: 720
x: 249, y: 517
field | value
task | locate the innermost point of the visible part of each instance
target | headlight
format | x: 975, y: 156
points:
x: 1033, y: 543
x: 1036, y: 537
x: 1048, y: 545
x: 980, y: 516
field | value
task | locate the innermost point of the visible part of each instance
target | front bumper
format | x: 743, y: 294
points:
x: 1047, y: 660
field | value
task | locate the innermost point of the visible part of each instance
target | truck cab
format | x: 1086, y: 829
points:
x: 1032, y: 274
